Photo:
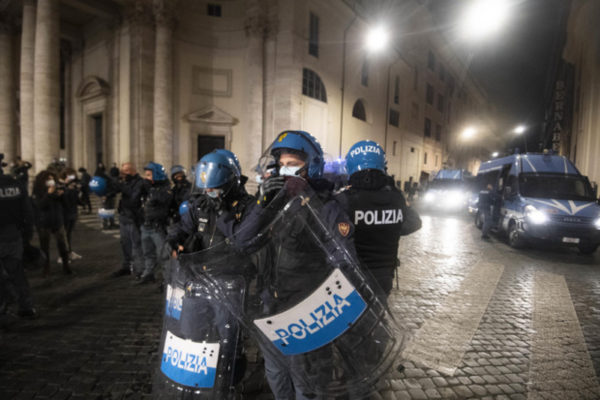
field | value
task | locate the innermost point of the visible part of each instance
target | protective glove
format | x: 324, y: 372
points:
x: 209, y: 204
x: 269, y: 189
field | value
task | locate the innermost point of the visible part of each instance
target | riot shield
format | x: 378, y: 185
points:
x: 310, y: 306
x: 200, y: 354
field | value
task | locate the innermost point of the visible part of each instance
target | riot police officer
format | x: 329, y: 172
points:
x: 486, y: 204
x: 17, y: 222
x: 157, y: 202
x: 181, y: 186
x: 377, y: 209
x: 296, y: 159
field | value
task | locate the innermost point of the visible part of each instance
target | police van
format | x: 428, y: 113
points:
x: 542, y: 197
x: 449, y: 191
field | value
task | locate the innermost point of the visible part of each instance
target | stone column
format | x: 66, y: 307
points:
x: 163, y: 84
x: 7, y: 94
x: 26, y: 80
x: 46, y: 102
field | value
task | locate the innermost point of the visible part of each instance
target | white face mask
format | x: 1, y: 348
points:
x: 259, y: 179
x: 214, y: 194
x: 288, y: 171
x: 50, y: 183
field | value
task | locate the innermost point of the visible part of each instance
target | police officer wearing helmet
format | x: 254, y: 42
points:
x: 181, y: 187
x: 377, y: 209
x: 234, y: 161
x: 157, y: 202
x: 16, y: 215
x: 297, y: 163
x: 217, y: 190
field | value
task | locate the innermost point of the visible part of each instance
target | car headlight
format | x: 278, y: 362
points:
x: 535, y: 216
x: 429, y: 197
x: 454, y: 198
x: 597, y: 223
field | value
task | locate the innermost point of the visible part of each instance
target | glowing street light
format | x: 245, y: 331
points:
x: 377, y: 39
x: 519, y: 130
x: 468, y: 133
x: 495, y: 154
x: 484, y: 17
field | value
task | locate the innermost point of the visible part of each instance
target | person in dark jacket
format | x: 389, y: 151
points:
x: 70, y: 201
x: 181, y: 188
x: 157, y: 202
x: 487, y: 200
x: 17, y: 223
x: 49, y: 219
x: 114, y: 172
x: 298, y: 166
x: 84, y: 179
x: 378, y: 210
x: 131, y: 187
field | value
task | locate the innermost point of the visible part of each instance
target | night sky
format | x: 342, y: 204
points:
x: 516, y: 64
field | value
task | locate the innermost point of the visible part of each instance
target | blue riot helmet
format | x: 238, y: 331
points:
x: 233, y: 160
x: 303, y: 143
x: 214, y: 171
x: 98, y: 185
x: 184, y: 207
x: 365, y: 154
x: 158, y: 171
x: 175, y: 169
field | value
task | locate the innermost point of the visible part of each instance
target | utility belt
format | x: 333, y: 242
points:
x: 157, y: 225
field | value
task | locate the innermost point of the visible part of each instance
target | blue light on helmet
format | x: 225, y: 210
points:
x: 184, y: 208
x: 213, y: 170
x: 306, y: 143
x: 365, y: 154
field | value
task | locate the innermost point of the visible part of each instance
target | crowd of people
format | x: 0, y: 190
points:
x: 160, y: 219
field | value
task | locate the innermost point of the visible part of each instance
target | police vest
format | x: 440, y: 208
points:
x: 377, y: 216
x: 12, y: 194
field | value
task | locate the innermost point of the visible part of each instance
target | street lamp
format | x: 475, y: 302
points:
x: 377, y: 39
x: 519, y: 131
x: 468, y: 133
x: 483, y: 18
x: 495, y: 154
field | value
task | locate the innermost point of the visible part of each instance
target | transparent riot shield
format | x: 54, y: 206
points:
x: 311, y: 308
x: 200, y: 343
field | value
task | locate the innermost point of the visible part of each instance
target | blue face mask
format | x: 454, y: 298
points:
x: 288, y: 171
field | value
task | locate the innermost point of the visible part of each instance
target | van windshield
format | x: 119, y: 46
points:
x: 559, y: 186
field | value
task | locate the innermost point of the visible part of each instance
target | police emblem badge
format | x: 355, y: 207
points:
x: 344, y: 228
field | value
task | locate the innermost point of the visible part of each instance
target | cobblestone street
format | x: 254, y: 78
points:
x: 483, y: 320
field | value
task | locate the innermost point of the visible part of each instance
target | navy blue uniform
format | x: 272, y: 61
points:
x: 130, y: 219
x: 157, y: 200
x: 17, y: 222
x: 378, y: 212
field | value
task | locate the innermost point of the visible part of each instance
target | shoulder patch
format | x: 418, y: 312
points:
x: 344, y: 228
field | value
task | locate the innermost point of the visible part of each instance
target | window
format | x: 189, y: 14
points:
x: 312, y: 85
x: 436, y: 160
x: 364, y: 74
x: 412, y: 149
x: 214, y: 10
x: 427, y: 127
x: 429, y: 94
x: 425, y: 158
x: 438, y: 132
x: 416, y: 80
x: 397, y: 90
x: 440, y: 104
x: 358, y: 111
x: 394, y: 118
x: 414, y: 110
x: 442, y: 73
x: 431, y: 61
x: 313, y: 35
x: 394, y: 148
x: 450, y: 85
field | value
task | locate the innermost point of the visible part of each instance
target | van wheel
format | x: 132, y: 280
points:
x: 479, y: 220
x: 514, y: 236
x: 587, y: 249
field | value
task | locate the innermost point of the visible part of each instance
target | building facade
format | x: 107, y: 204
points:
x: 168, y: 81
x: 580, y: 139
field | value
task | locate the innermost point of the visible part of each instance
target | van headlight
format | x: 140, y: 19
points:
x: 454, y: 198
x: 429, y: 197
x: 535, y: 216
x: 597, y: 223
